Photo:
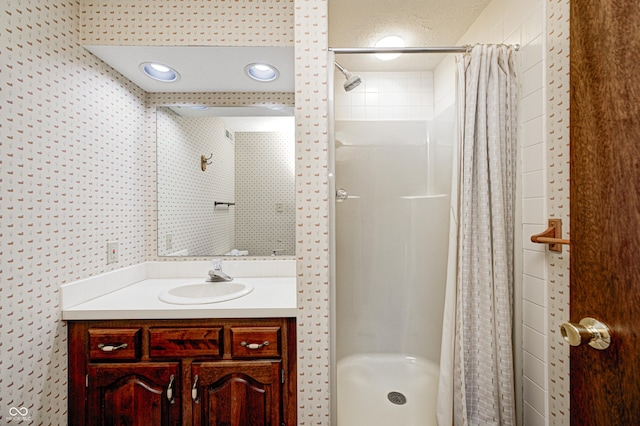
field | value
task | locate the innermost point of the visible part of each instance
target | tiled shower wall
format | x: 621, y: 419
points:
x: 387, y: 96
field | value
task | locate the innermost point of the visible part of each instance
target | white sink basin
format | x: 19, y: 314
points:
x: 195, y: 294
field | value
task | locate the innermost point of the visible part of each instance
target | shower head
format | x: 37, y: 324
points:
x: 353, y: 80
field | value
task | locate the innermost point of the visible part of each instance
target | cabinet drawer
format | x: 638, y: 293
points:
x: 185, y: 342
x: 255, y: 342
x: 114, y: 344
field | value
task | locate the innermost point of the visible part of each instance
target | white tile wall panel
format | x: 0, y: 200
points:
x: 530, y: 105
x: 534, y: 264
x: 533, y: 184
x: 533, y: 417
x: 535, y: 343
x: 534, y: 316
x: 535, y: 290
x: 533, y: 212
x: 532, y: 79
x: 533, y: 158
x: 535, y: 396
x: 536, y: 370
x: 387, y: 95
x: 533, y: 131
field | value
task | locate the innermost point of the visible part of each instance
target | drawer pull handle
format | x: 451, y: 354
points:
x: 111, y: 348
x: 194, y: 391
x: 254, y: 345
x: 170, y: 397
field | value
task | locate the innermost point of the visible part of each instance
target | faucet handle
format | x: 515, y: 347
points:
x: 216, y: 264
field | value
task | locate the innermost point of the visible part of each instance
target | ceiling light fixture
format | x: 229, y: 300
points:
x: 389, y: 41
x: 159, y: 72
x: 262, y: 72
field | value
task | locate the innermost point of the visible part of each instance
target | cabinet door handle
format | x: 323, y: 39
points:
x: 170, y: 397
x: 111, y: 348
x: 194, y: 391
x: 254, y: 345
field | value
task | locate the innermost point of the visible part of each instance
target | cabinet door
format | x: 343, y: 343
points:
x: 236, y: 393
x: 134, y: 394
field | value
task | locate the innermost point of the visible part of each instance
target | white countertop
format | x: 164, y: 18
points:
x: 271, y: 297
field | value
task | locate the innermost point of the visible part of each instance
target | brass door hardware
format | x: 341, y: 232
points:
x: 590, y: 331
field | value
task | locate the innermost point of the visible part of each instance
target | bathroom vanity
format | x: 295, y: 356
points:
x: 182, y: 372
x: 135, y: 360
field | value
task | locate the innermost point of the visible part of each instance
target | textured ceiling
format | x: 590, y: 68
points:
x: 360, y: 23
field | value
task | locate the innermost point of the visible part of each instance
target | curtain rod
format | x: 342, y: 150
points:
x: 446, y: 49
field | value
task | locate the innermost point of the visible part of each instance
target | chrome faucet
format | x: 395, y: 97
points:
x: 216, y: 274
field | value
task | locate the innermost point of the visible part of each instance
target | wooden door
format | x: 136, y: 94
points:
x: 133, y: 394
x: 237, y: 393
x: 605, y: 207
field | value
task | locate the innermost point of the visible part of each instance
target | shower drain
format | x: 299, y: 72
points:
x: 397, y: 398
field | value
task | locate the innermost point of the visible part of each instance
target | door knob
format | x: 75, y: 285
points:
x: 590, y: 330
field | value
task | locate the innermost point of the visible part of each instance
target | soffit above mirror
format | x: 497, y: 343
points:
x: 202, y: 68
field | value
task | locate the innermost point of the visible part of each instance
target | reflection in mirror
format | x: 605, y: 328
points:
x: 225, y: 181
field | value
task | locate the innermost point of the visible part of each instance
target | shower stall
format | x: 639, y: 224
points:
x: 391, y: 165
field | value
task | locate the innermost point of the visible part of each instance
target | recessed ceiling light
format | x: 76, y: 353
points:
x: 262, y: 72
x: 199, y: 107
x: 389, y: 41
x: 160, y: 72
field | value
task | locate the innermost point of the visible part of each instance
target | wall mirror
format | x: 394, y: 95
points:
x: 225, y: 179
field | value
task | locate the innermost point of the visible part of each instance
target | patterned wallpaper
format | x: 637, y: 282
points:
x: 312, y: 205
x: 74, y: 173
x: 557, y: 57
x: 77, y: 169
x: 187, y: 22
x: 187, y: 215
x: 265, y: 193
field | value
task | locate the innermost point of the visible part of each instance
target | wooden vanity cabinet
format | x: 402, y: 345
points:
x: 133, y: 394
x: 236, y: 393
x: 235, y: 372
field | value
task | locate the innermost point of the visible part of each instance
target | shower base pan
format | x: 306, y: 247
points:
x: 386, y: 389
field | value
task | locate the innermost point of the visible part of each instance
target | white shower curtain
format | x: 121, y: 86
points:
x: 477, y: 380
